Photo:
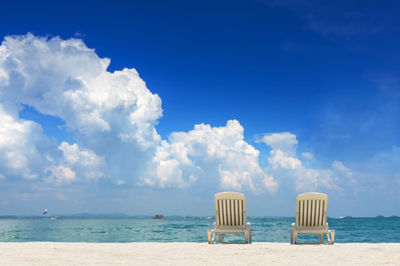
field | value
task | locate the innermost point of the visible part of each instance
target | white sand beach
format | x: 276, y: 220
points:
x: 54, y: 253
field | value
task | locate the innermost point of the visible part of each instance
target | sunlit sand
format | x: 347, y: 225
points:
x: 143, y: 253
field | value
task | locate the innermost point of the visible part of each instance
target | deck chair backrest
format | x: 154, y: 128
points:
x: 230, y: 209
x: 311, y: 210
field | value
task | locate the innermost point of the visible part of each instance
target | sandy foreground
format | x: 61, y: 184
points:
x: 55, y: 253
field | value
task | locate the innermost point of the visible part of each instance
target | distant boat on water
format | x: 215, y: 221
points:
x: 158, y: 216
x: 54, y: 218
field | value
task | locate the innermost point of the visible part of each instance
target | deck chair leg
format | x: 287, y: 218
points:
x: 210, y: 237
x: 219, y: 238
x: 332, y: 233
x: 321, y: 238
x: 249, y: 236
x: 331, y: 237
x: 292, y: 240
x: 246, y: 237
x: 292, y: 236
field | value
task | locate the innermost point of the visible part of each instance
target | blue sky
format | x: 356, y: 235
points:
x: 269, y: 98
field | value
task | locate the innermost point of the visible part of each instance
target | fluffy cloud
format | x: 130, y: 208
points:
x: 279, y: 159
x: 26, y: 152
x: 23, y: 147
x: 86, y: 162
x: 60, y: 175
x: 284, y: 164
x: 66, y: 79
x: 217, y: 154
x: 285, y: 142
x: 112, y: 116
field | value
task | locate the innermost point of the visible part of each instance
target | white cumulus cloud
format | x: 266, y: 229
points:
x: 66, y: 79
x: 84, y: 161
x: 23, y: 147
x: 284, y: 164
x: 60, y: 175
x: 278, y: 159
x: 216, y: 154
x: 112, y: 115
x: 285, y: 141
x: 113, y: 118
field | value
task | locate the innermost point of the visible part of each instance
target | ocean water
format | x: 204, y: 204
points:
x: 181, y: 229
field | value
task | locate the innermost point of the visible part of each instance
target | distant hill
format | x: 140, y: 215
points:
x: 96, y: 215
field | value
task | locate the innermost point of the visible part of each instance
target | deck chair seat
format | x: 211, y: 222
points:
x: 230, y: 230
x: 230, y: 217
x: 311, y: 211
x: 311, y: 231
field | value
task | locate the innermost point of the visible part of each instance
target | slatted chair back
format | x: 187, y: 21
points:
x: 311, y: 210
x: 230, y: 209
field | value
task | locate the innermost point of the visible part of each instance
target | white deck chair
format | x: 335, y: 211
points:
x: 311, y: 217
x: 230, y: 217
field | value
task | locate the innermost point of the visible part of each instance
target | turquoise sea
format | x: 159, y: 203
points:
x: 181, y: 229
